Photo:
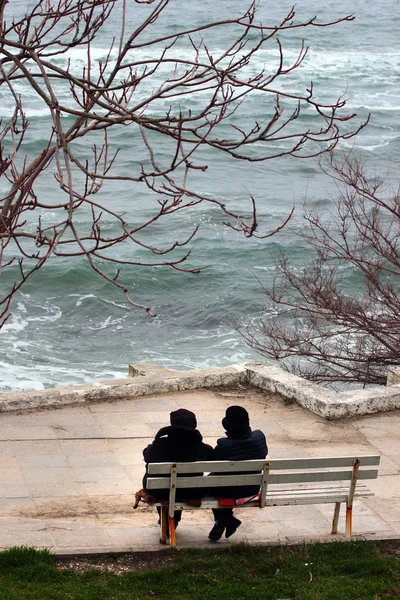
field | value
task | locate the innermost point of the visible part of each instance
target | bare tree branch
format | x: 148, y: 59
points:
x: 316, y: 324
x: 123, y: 91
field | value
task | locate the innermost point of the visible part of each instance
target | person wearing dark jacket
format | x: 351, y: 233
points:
x: 178, y: 442
x: 240, y: 443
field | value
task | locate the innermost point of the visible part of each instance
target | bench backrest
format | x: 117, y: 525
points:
x: 268, y: 472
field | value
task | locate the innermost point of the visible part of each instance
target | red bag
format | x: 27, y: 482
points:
x: 229, y: 502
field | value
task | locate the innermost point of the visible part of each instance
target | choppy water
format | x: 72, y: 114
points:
x: 69, y: 326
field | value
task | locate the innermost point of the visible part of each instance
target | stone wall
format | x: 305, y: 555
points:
x: 149, y: 379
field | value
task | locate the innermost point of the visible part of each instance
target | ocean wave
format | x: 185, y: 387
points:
x: 21, y: 319
x: 70, y: 326
x: 81, y: 298
x: 39, y: 377
x: 346, y: 66
x: 108, y: 322
x: 376, y: 108
x: 373, y: 147
x: 15, y: 323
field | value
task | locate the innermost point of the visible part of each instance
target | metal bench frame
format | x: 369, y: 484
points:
x: 283, y: 482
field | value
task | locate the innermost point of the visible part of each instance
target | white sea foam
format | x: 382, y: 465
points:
x: 14, y: 324
x: 38, y: 377
x: 106, y: 323
x: 372, y: 147
x: 21, y: 307
x: 123, y: 306
x: 346, y: 66
x: 80, y: 336
x: 81, y: 298
x: 54, y: 313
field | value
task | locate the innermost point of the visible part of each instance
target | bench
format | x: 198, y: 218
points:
x: 283, y: 482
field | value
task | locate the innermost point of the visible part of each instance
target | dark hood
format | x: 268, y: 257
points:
x: 179, y: 435
x: 237, y: 435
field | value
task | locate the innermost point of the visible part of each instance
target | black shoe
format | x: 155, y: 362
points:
x: 216, y: 532
x: 231, y: 528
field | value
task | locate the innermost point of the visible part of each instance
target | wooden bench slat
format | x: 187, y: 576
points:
x: 314, y: 476
x: 322, y: 462
x: 305, y: 491
x: 277, y: 501
x: 274, y: 478
x: 206, y: 467
x: 316, y: 491
x: 292, y: 500
x: 300, y: 492
x: 204, y: 482
x: 210, y: 502
x: 254, y: 465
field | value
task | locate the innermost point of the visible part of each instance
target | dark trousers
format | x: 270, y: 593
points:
x: 177, y: 514
x: 224, y: 516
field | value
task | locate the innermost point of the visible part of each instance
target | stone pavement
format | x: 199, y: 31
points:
x: 68, y: 475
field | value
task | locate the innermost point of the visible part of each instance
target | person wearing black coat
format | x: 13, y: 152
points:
x: 240, y: 443
x: 178, y: 442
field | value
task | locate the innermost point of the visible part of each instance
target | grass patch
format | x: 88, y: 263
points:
x: 334, y: 571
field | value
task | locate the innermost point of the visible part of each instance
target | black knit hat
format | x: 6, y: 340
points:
x: 183, y: 418
x: 236, y: 419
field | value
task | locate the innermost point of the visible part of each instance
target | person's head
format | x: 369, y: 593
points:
x: 183, y: 418
x: 236, y: 420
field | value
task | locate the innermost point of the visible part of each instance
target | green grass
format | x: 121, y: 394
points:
x: 334, y: 571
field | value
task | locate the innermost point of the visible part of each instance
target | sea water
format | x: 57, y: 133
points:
x: 70, y: 326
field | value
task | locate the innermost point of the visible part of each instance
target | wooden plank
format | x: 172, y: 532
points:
x: 205, y: 482
x: 308, y: 491
x: 274, y: 478
x: 283, y: 489
x: 322, y: 462
x: 275, y: 464
x: 304, y: 501
x: 207, y: 467
x: 331, y: 494
x: 209, y: 502
x: 293, y: 500
x: 287, y: 495
x: 317, y: 476
x: 311, y: 499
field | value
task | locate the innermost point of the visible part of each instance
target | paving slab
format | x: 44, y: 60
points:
x: 68, y: 474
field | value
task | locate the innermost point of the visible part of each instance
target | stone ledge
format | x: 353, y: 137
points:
x: 371, y: 400
x: 320, y: 400
x: 393, y: 376
x: 310, y: 395
x: 149, y: 379
x: 148, y: 368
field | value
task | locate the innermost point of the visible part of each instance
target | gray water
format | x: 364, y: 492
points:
x: 69, y: 326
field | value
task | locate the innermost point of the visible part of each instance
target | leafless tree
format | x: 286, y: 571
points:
x: 321, y: 326
x: 123, y: 91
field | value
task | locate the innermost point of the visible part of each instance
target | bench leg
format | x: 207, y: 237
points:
x: 164, y: 524
x: 349, y: 525
x: 172, y: 536
x: 335, y: 517
x: 349, y: 502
